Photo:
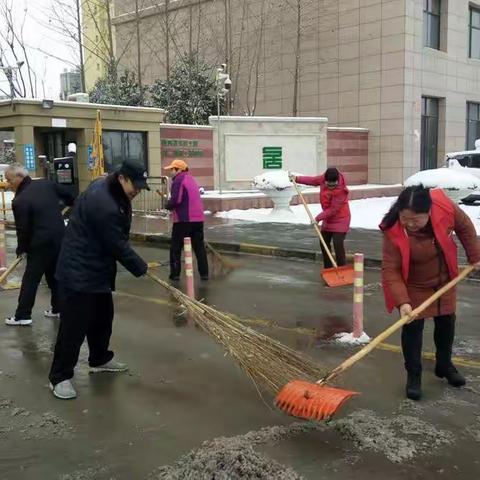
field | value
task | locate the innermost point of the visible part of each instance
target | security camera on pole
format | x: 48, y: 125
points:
x: 224, y: 85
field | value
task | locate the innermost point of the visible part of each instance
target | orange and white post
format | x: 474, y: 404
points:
x: 358, y: 295
x: 187, y: 244
x: 3, y: 248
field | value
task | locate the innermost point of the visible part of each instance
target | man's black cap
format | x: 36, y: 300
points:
x: 136, y: 173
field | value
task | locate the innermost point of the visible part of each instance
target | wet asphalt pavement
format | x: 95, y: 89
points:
x: 181, y: 390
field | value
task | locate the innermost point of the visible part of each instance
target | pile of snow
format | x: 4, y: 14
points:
x: 446, y: 178
x: 457, y: 184
x: 366, y: 213
x: 277, y: 180
x: 349, y: 339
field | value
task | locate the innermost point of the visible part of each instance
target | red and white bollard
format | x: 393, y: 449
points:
x: 3, y: 249
x: 358, y: 295
x: 187, y: 244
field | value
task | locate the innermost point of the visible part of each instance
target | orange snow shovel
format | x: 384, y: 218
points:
x: 335, y: 276
x: 316, y: 401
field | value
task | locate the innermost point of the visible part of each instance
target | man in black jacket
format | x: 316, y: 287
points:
x: 37, y: 210
x: 96, y: 238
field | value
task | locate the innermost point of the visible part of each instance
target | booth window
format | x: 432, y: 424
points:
x: 121, y: 146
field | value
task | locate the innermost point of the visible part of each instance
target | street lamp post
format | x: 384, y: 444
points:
x: 224, y: 85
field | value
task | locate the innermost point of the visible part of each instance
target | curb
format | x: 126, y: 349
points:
x: 251, y: 249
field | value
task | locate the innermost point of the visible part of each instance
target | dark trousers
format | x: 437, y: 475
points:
x: 338, y: 244
x: 194, y: 230
x: 40, y: 261
x: 412, y: 340
x: 82, y: 315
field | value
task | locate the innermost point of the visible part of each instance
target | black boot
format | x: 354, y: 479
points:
x: 412, y: 339
x: 443, y: 335
x: 452, y: 375
x: 414, y: 386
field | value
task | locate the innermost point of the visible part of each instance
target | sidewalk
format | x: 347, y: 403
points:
x: 273, y: 239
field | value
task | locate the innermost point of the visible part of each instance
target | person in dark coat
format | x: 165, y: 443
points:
x: 37, y: 209
x: 419, y: 257
x: 186, y: 206
x: 97, y: 236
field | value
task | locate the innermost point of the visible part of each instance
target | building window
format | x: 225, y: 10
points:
x: 474, y: 50
x: 429, y: 135
x: 473, y: 124
x: 121, y: 146
x: 431, y: 24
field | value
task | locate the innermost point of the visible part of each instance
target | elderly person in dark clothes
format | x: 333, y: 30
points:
x: 37, y: 209
x: 96, y: 238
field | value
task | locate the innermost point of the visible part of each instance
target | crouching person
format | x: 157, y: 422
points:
x: 96, y: 238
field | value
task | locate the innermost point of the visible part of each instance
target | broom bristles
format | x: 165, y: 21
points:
x: 266, y: 361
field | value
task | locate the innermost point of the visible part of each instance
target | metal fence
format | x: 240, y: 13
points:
x: 152, y: 201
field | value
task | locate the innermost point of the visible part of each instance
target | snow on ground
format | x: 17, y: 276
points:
x: 366, y: 213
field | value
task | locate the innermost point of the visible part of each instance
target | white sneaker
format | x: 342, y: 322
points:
x: 63, y: 390
x: 111, y: 366
x: 49, y: 314
x: 14, y: 322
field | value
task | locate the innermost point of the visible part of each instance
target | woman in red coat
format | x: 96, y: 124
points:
x: 419, y: 257
x: 335, y: 215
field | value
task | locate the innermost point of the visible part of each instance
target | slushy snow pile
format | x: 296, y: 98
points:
x: 277, y: 180
x: 447, y: 178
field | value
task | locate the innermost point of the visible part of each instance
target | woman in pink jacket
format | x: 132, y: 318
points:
x: 335, y: 215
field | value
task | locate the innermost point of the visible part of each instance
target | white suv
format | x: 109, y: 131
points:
x: 469, y: 162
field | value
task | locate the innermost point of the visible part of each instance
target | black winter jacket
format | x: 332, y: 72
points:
x: 97, y: 236
x: 37, y: 210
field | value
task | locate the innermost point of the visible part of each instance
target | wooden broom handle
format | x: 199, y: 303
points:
x: 393, y: 328
x: 10, y: 269
x: 315, y: 225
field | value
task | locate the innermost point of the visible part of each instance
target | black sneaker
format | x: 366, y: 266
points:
x: 174, y: 278
x: 452, y: 376
x: 204, y: 277
x: 414, y: 386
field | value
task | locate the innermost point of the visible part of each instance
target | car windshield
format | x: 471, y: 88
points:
x: 471, y: 160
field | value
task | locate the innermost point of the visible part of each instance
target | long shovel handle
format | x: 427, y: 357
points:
x: 10, y: 269
x: 396, y: 326
x: 314, y: 223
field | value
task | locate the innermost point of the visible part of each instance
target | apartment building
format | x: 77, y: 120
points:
x: 408, y: 70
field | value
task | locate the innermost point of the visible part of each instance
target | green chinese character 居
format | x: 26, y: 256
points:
x: 272, y: 157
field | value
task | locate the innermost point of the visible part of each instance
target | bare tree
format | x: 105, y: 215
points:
x: 14, y: 50
x: 139, y: 59
x: 63, y: 18
x: 296, y: 74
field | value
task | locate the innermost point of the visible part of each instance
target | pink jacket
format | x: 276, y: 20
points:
x: 335, y: 215
x: 185, y: 200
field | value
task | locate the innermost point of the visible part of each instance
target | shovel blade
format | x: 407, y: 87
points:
x: 338, y: 277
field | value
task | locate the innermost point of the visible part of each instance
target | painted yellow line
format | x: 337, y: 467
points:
x: 158, y: 301
x: 460, y: 361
